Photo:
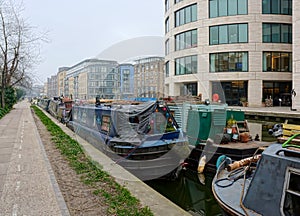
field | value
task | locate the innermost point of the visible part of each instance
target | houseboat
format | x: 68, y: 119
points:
x: 143, y: 137
x: 214, y: 129
x: 266, y: 184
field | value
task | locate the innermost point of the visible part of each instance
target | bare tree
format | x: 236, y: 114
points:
x: 19, y: 47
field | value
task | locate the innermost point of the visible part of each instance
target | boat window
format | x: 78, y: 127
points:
x: 105, y: 125
x: 292, y: 193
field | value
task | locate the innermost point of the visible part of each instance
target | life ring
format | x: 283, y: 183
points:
x: 215, y: 97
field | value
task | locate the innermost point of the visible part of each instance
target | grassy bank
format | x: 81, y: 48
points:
x: 118, y: 199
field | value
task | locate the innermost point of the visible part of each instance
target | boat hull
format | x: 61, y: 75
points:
x: 145, y: 169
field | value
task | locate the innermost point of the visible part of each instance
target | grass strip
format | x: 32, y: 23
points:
x: 118, y: 198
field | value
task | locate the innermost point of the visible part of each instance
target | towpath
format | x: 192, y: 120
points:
x: 27, y: 183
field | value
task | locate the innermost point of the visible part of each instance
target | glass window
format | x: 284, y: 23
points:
x: 214, y: 35
x: 284, y: 7
x: 227, y: 7
x: 186, y: 65
x: 223, y: 62
x: 242, y: 7
x: 277, y: 61
x: 167, y: 27
x: 232, y: 9
x: 291, y: 193
x: 266, y: 33
x: 167, y: 5
x: 285, y: 34
x: 284, y: 62
x: 194, y: 38
x: 243, y: 33
x: 275, y: 6
x: 186, y: 15
x: 245, y: 62
x: 167, y: 69
x: 194, y: 12
x: 290, y: 33
x: 223, y: 34
x: 213, y: 8
x: 275, y: 37
x: 167, y: 47
x: 186, y: 40
x: 194, y: 64
x: 266, y: 7
x: 233, y: 61
x: 223, y: 8
x: 213, y: 62
x: 181, y: 17
x: 232, y: 34
x: 232, y: 91
x: 182, y: 65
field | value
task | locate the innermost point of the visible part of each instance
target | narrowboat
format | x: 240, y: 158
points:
x: 266, y: 184
x: 44, y: 103
x: 214, y: 129
x: 144, y: 137
x: 60, y: 108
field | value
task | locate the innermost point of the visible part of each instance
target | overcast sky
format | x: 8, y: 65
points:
x: 79, y: 29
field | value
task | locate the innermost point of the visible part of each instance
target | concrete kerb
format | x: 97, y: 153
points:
x: 158, y: 204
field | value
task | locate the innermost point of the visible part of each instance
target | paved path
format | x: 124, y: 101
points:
x: 27, y: 183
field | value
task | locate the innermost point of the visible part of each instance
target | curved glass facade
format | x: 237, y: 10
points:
x: 186, y: 40
x: 228, y: 34
x: 186, y: 15
x: 186, y: 65
x: 218, y: 8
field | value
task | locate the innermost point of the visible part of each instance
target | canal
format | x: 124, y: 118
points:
x: 195, y: 197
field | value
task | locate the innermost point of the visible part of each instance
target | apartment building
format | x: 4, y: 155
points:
x: 52, y: 90
x: 90, y: 78
x: 234, y: 48
x: 61, y: 75
x: 126, y: 81
x: 149, y: 77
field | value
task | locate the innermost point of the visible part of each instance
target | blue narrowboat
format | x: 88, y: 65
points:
x: 143, y: 137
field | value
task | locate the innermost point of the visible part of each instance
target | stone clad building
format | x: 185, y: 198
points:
x: 239, y: 49
x: 149, y: 77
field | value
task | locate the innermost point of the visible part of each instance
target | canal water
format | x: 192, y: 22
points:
x: 189, y: 193
x: 195, y: 197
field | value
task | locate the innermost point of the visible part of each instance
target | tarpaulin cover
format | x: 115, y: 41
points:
x: 132, y: 121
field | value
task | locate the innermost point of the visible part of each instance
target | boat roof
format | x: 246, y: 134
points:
x: 264, y: 190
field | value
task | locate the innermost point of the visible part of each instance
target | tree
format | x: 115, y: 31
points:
x: 19, y: 48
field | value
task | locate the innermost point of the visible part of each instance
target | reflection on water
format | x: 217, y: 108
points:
x: 188, y: 193
x: 261, y: 128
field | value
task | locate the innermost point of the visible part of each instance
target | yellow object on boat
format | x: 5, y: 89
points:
x: 201, y: 164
